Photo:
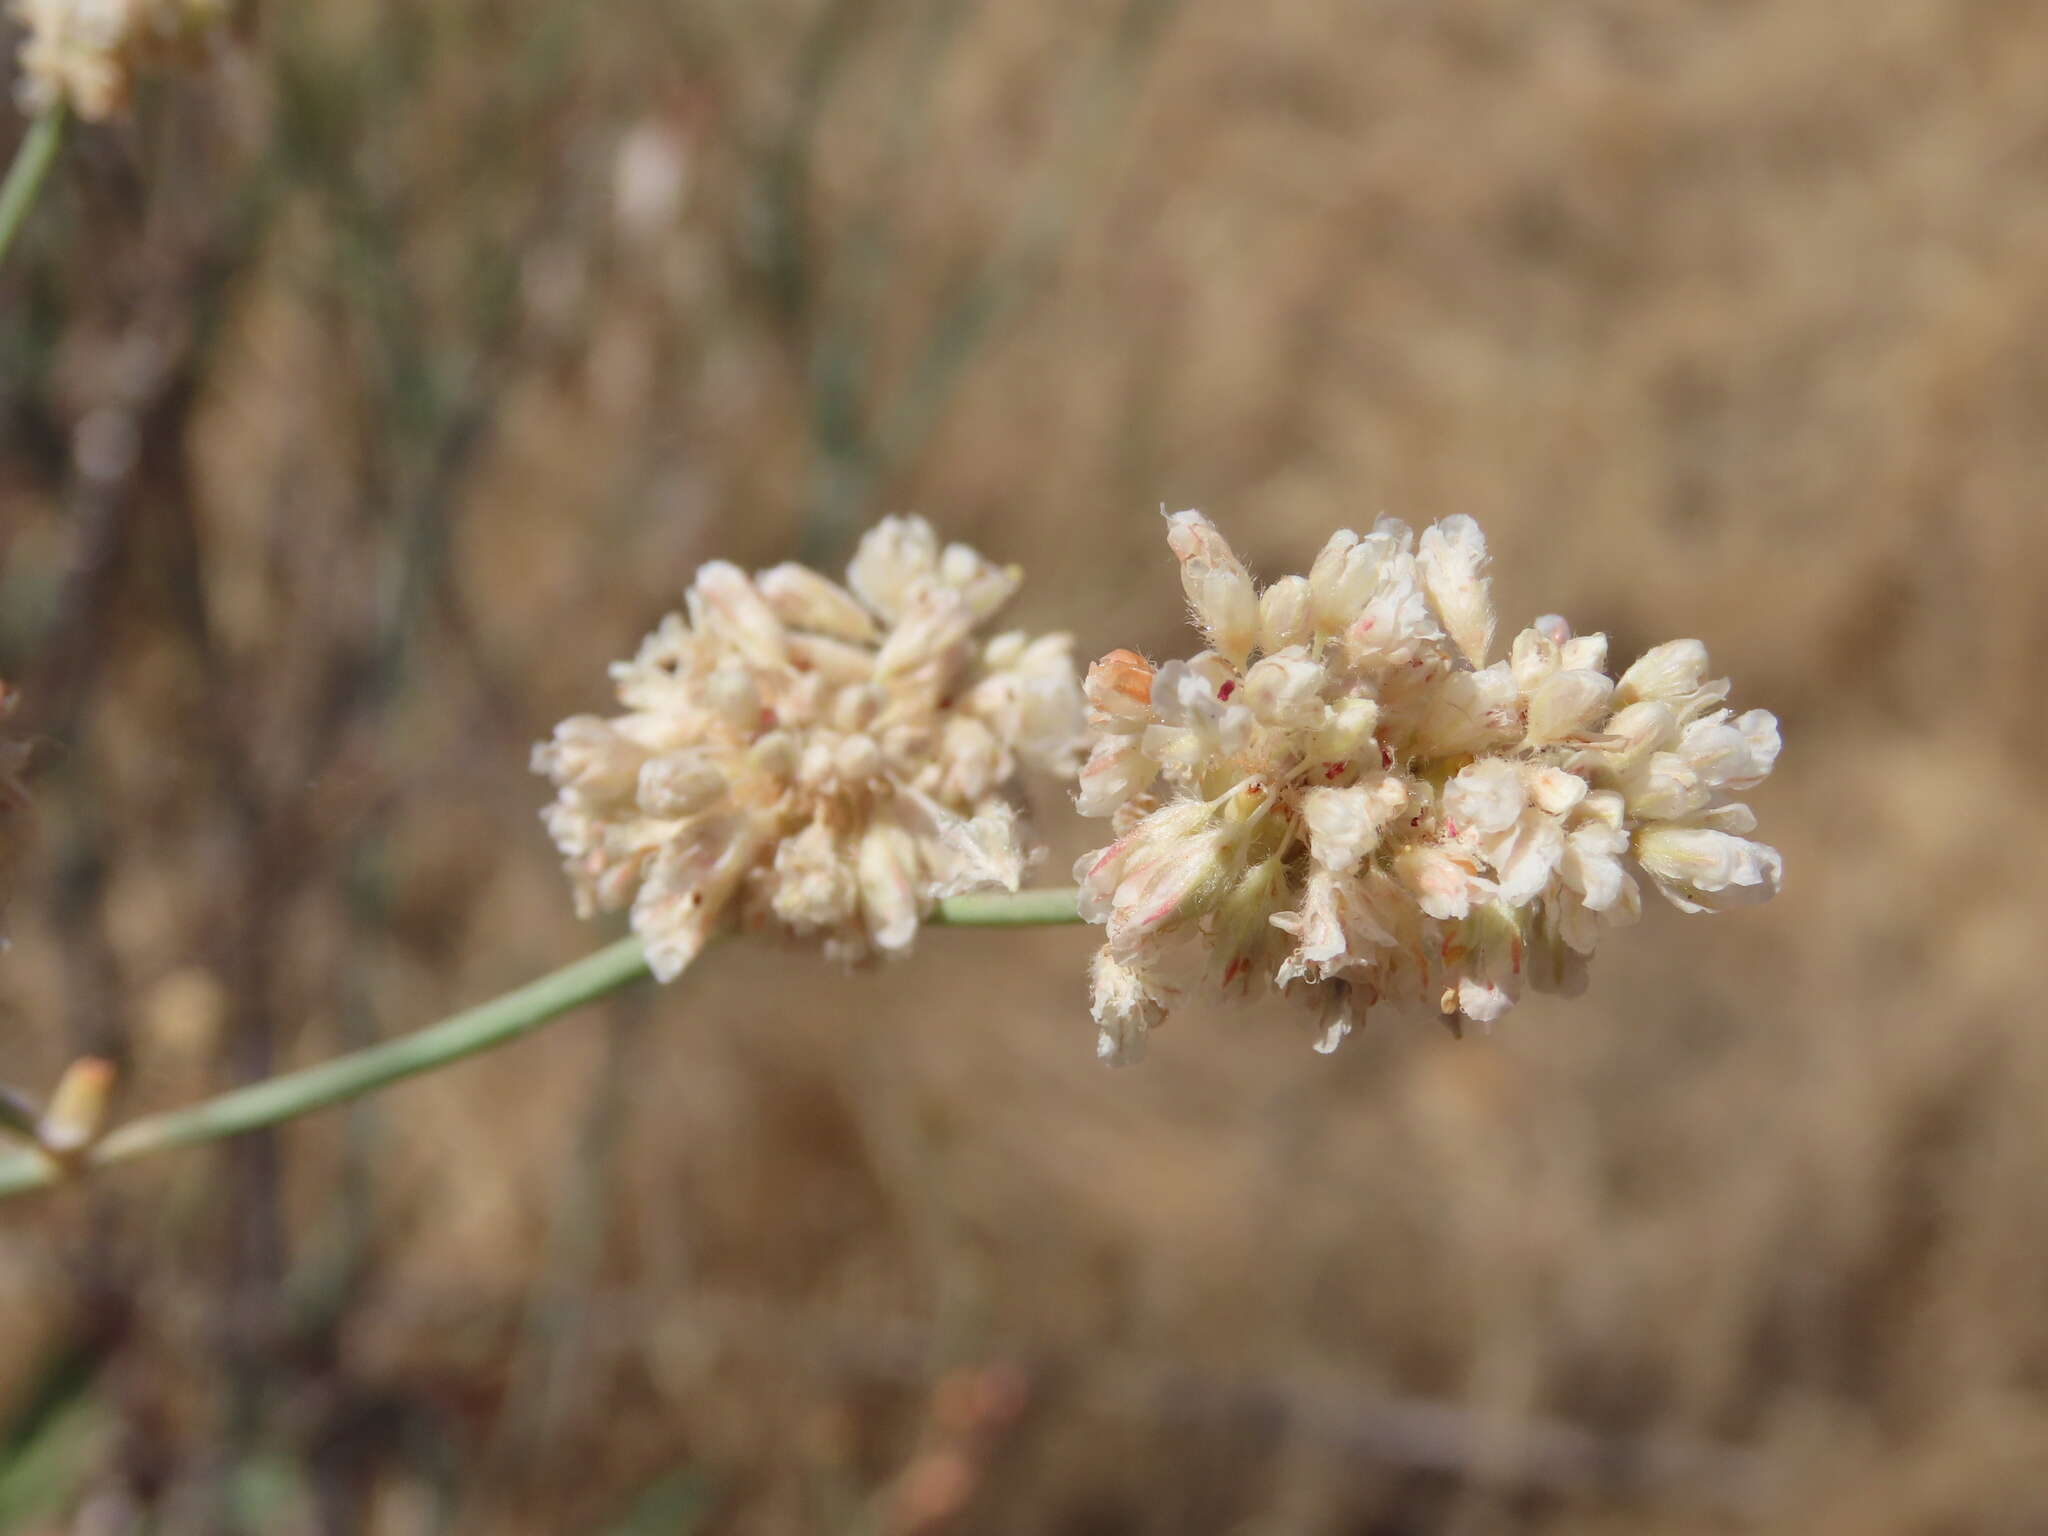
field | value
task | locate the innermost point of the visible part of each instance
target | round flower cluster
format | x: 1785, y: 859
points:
x: 826, y: 759
x: 1343, y: 799
x: 86, y: 53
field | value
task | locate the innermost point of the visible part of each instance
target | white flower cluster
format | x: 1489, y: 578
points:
x: 86, y: 53
x: 1343, y: 799
x: 826, y: 759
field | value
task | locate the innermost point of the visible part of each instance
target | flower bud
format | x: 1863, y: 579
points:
x: 678, y: 786
x: 78, y: 1108
x: 1284, y: 614
x: 1218, y: 587
x: 803, y: 599
x: 1452, y: 558
x: 1286, y: 689
x: 1119, y: 690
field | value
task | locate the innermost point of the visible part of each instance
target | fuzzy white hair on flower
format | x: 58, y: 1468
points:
x: 1344, y: 800
x: 830, y: 760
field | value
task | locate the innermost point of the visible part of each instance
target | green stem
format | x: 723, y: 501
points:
x: 483, y: 1028
x: 32, y: 161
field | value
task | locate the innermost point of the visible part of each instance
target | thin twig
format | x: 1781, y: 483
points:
x: 478, y: 1029
x: 32, y: 161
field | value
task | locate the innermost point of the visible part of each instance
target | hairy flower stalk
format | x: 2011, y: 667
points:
x: 828, y: 760
x: 1341, y: 798
x: 86, y: 54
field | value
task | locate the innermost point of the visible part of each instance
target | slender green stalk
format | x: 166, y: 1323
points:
x: 1007, y: 909
x: 482, y: 1028
x: 32, y: 161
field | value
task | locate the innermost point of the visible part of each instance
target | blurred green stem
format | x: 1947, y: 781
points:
x: 32, y: 161
x: 478, y: 1029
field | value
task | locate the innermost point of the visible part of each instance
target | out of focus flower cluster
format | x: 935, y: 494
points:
x: 830, y: 759
x: 87, y: 53
x: 1342, y: 799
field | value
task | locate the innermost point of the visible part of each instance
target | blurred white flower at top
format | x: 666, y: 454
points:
x: 827, y: 759
x: 1343, y: 799
x: 650, y: 177
x: 86, y: 53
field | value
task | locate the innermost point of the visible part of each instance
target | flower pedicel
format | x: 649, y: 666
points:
x: 1343, y: 799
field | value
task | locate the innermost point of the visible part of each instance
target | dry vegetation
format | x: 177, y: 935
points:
x: 359, y: 402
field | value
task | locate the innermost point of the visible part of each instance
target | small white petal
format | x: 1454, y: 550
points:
x: 1486, y: 796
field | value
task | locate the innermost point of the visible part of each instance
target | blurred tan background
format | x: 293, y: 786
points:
x: 365, y: 394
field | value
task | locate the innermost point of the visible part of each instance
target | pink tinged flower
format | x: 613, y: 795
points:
x: 1700, y: 870
x: 1126, y: 1010
x: 684, y: 890
x: 1444, y: 883
x: 1116, y: 770
x: 1284, y: 614
x: 1567, y: 705
x: 1219, y: 589
x: 1452, y: 559
x: 1100, y: 872
x: 1119, y: 692
x: 1554, y: 791
x: 1172, y: 882
x: 1395, y: 621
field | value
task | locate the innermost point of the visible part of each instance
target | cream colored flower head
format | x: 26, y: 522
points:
x: 87, y: 53
x: 827, y: 759
x: 1343, y: 799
